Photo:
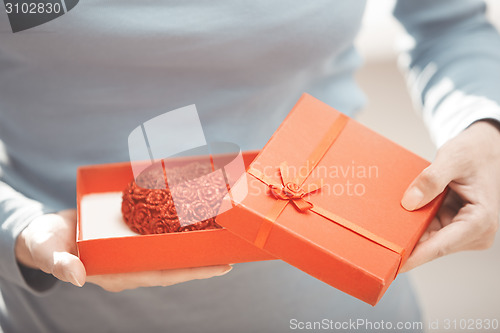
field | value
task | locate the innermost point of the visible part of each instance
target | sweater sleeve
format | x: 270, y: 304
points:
x: 16, y: 212
x: 452, y: 63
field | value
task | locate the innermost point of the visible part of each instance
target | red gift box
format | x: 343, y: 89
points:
x: 324, y: 195
x: 131, y: 252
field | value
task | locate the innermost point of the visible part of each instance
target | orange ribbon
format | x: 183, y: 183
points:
x: 290, y: 190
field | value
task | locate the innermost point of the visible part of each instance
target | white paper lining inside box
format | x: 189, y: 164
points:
x: 101, y: 216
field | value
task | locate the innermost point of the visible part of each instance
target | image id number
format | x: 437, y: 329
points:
x: 33, y: 8
x: 470, y: 324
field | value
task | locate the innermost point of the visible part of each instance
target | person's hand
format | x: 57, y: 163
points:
x: 48, y: 243
x: 469, y: 165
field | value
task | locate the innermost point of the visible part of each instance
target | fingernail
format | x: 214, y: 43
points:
x: 227, y: 270
x: 412, y: 198
x: 74, y: 280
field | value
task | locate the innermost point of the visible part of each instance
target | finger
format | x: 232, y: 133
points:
x: 450, y: 239
x: 434, y: 226
x: 168, y: 278
x: 449, y: 209
x: 67, y: 267
x: 429, y: 183
x: 119, y: 282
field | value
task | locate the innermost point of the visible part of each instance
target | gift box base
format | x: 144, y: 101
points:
x: 124, y: 251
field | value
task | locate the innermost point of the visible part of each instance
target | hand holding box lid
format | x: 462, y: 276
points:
x: 299, y: 207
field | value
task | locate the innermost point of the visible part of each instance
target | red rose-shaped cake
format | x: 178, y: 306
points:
x: 148, y: 203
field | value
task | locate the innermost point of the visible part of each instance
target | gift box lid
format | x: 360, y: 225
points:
x: 324, y: 195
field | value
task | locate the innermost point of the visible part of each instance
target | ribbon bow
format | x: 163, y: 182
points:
x: 289, y: 189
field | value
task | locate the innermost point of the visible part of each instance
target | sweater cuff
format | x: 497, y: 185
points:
x: 457, y: 113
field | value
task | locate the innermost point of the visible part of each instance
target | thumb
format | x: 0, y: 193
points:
x: 429, y: 183
x: 50, y: 241
x: 68, y: 267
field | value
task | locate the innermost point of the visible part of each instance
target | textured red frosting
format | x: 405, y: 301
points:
x: 197, y: 191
